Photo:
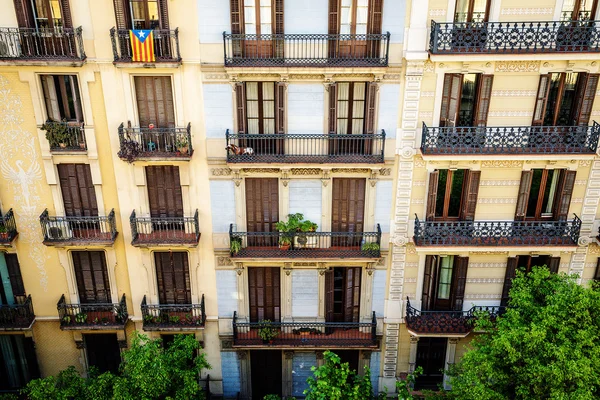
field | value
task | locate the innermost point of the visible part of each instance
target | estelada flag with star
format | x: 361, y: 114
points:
x: 142, y: 45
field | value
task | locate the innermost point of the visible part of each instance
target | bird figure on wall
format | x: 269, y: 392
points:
x: 25, y: 179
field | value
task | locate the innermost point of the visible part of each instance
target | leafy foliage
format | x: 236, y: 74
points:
x: 130, y: 150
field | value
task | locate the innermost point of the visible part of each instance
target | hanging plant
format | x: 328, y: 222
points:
x: 130, y: 150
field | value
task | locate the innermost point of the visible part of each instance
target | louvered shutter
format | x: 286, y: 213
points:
x: 585, y: 100
x: 280, y: 107
x: 484, y: 94
x: 333, y: 108
x: 450, y: 99
x: 541, y: 100
x: 262, y: 204
x: 334, y: 17
x: 459, y: 280
x: 264, y: 294
x: 428, y: 283
x: 352, y: 295
x: 14, y: 274
x: 554, y: 264
x: 66, y: 14
x: 154, y: 96
x: 24, y: 13
x: 348, y: 205
x: 470, y: 194
x: 509, y: 274
x: 164, y: 14
x: 91, y: 276
x: 173, y: 277
x: 237, y: 16
x: 564, y: 193
x: 370, y: 107
x: 375, y: 17
x: 278, y: 10
x: 523, y: 197
x: 597, y: 274
x: 329, y: 296
x: 122, y: 14
x: 240, y: 101
x: 77, y: 188
x: 164, y: 191
x: 432, y: 195
x: 50, y: 98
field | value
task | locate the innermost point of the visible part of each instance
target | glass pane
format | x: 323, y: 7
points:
x: 153, y: 14
x: 346, y: 16
x: 441, y: 193
x: 567, y: 103
x: 550, y: 193
x: 552, y: 99
x: 268, y: 91
x: 362, y: 15
x: 269, y: 126
x: 40, y: 13
x: 446, y: 264
x: 479, y: 8
x: 265, y: 15
x: 269, y: 109
x: 357, y: 126
x: 534, y: 193
x: 251, y: 90
x: 342, y: 126
x: 462, y: 8
x: 458, y: 178
x: 249, y: 19
x: 343, y: 91
x: 253, y: 126
x: 342, y: 111
x: 467, y: 100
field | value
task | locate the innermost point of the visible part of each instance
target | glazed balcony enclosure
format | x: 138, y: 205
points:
x: 515, y: 140
x: 305, y: 244
x: 157, y: 231
x: 155, y: 143
x: 166, y: 46
x: 497, y: 233
x: 50, y: 45
x: 305, y: 148
x: 8, y: 228
x: 306, y: 334
x: 78, y: 231
x: 306, y: 50
x: 17, y: 316
x: 173, y: 317
x: 92, y: 315
x: 580, y: 36
x: 459, y: 323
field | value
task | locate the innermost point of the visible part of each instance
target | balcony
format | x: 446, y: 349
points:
x: 157, y: 231
x: 17, y: 316
x: 155, y: 143
x: 514, y: 37
x: 65, y: 136
x: 305, y: 148
x: 305, y: 244
x: 497, y: 233
x: 166, y: 46
x: 8, y: 228
x: 30, y: 46
x: 78, y: 231
x: 173, y: 317
x: 306, y: 334
x: 446, y: 322
x: 94, y: 316
x: 517, y: 140
x: 306, y: 50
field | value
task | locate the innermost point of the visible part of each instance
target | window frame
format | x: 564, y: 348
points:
x: 147, y: 21
x: 470, y: 8
x: 61, y: 93
x: 447, y: 195
x: 350, y: 102
x: 577, y: 10
x: 539, y: 214
x: 261, y: 106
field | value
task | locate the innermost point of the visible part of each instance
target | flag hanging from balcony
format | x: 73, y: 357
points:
x: 142, y: 45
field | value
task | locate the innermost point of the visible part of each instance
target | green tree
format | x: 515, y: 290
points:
x: 545, y: 346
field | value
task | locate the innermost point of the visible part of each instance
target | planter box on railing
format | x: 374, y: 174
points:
x: 92, y: 315
x: 514, y: 37
x: 302, y: 50
x: 497, y: 233
x: 166, y: 45
x: 44, y: 44
x: 164, y: 230
x: 78, y: 230
x: 73, y: 141
x: 155, y: 143
x: 17, y: 316
x: 173, y: 316
x: 510, y: 140
x: 305, y: 148
x: 8, y: 228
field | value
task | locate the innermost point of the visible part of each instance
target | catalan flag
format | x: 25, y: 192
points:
x: 142, y: 45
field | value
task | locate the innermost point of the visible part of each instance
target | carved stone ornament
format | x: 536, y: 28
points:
x: 287, y: 268
x: 319, y: 355
x: 288, y: 355
x: 242, y: 355
x: 260, y: 170
x: 385, y: 171
x: 285, y: 179
x: 306, y: 171
x: 220, y: 171
x: 373, y: 178
x: 584, y: 241
x: 350, y: 170
x: 407, y: 152
x: 517, y: 66
x: 80, y: 344
x: 366, y: 355
x: 325, y: 178
x: 239, y: 268
x: 305, y: 264
x: 237, y: 179
x: 223, y: 261
x: 226, y: 344
x: 400, y: 241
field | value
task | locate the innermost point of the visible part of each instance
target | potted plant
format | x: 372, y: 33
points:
x: 285, y: 242
x: 66, y: 320
x: 148, y: 319
x: 81, y: 318
x: 82, y: 145
x: 303, y: 240
x: 182, y: 144
x: 130, y: 150
x: 174, y: 319
x: 267, y: 332
x: 370, y: 248
x: 235, y: 246
x: 57, y: 133
x: 3, y: 232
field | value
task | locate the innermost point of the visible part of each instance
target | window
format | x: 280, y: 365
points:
x: 260, y: 109
x: 545, y: 194
x: 471, y: 11
x: 342, y: 294
x: 355, y: 17
x: 256, y: 17
x: 574, y: 10
x: 352, y: 108
x: 444, y: 283
x: 18, y: 363
x: 154, y: 96
x: 597, y: 273
x: 78, y: 191
x: 92, y: 277
x: 452, y: 194
x: 103, y: 352
x: 144, y: 14
x: 525, y: 263
x: 466, y: 99
x: 43, y: 14
x: 12, y: 290
x: 62, y: 99
x: 173, y: 277
x: 264, y: 293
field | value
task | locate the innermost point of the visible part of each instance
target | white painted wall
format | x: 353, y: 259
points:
x: 378, y: 294
x: 383, y: 204
x: 305, y: 16
x: 8, y: 17
x: 227, y: 294
x: 394, y: 13
x: 305, y: 293
x: 389, y: 103
x: 218, y: 109
x: 222, y: 200
x: 230, y: 368
x: 305, y: 198
x: 305, y: 108
x: 213, y: 20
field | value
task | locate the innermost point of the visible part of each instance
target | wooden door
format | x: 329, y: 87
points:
x: 431, y: 355
x: 77, y: 188
x: 264, y: 293
x: 262, y: 210
x: 92, y: 276
x: 154, y: 96
x: 348, y: 210
x: 266, y: 373
x: 342, y: 289
x: 164, y: 191
x: 173, y: 277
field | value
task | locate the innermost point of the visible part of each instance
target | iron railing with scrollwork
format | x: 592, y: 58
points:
x: 164, y: 230
x: 166, y: 45
x: 155, y: 142
x: 43, y: 44
x: 92, y: 315
x: 173, y: 316
x: 306, y: 334
x: 16, y: 316
x: 305, y: 148
x: 74, y: 140
x: 514, y: 37
x: 303, y: 50
x: 446, y: 322
x: 510, y: 140
x: 8, y: 227
x: 78, y: 230
x: 305, y: 244
x: 497, y: 233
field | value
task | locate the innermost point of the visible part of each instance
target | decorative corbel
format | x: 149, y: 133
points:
x: 285, y: 178
x: 237, y: 179
x: 239, y: 268
x: 287, y: 268
x: 325, y: 178
x: 80, y: 344
x: 321, y: 268
x: 373, y: 178
x: 370, y: 268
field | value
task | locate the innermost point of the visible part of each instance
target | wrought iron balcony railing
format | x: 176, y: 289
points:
x: 306, y: 334
x: 166, y: 45
x: 446, y: 322
x: 78, y: 230
x: 510, y: 140
x: 92, y: 315
x: 155, y: 143
x: 497, y: 233
x: 305, y: 50
x: 305, y: 148
x: 173, y: 316
x: 44, y: 44
x: 164, y: 230
x: 8, y: 228
x: 17, y: 316
x: 305, y: 244
x: 73, y: 140
x: 514, y: 37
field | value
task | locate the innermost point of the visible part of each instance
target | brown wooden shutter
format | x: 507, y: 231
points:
x: 370, y: 107
x: 470, y: 193
x: 163, y: 12
x: 66, y: 14
x: 122, y: 14
x: 334, y: 17
x: 597, y: 274
x: 459, y: 281
x: 523, y: 197
x: 585, y: 99
x: 14, y: 274
x: 563, y: 195
x: 375, y: 21
x: 432, y: 195
x: 154, y: 96
x: 352, y: 295
x: 541, y: 100
x: 237, y: 16
x: 24, y: 13
x: 348, y: 205
x: 428, y: 283
x: 164, y: 191
x: 240, y: 100
x: 484, y: 94
x: 280, y: 107
x: 450, y: 99
x: 554, y: 264
x: 173, y: 277
x: 333, y: 108
x: 77, y: 188
x: 509, y: 274
x: 278, y: 10
x: 262, y: 204
x: 329, y: 289
x: 264, y: 294
x: 92, y: 276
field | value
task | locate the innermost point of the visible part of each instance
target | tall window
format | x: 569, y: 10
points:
x: 525, y: 264
x: 173, y: 277
x: 144, y: 14
x: 18, y: 363
x: 581, y: 10
x: 61, y: 97
x: 452, y: 194
x: 471, y: 10
x: 355, y: 16
x: 256, y: 17
x: 260, y: 107
x: 12, y: 289
x: 351, y: 107
x: 545, y: 194
x: 444, y: 283
x: 47, y: 13
x: 466, y: 99
x: 91, y: 276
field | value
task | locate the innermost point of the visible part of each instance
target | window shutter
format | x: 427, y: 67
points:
x: 164, y: 191
x: 554, y: 264
x: 77, y: 188
x: 14, y: 274
x: 329, y: 295
x: 428, y: 283
x: 484, y: 95
x: 122, y: 14
x: 278, y: 9
x: 262, y: 204
x: 240, y: 99
x: 173, y: 277
x: 523, y: 197
x: 585, y: 100
x: 333, y: 108
x: 237, y: 16
x: 470, y: 195
x: 163, y: 14
x: 91, y: 276
x: 459, y: 280
x: 352, y: 295
x: 509, y: 274
x: 541, y: 100
x: 450, y: 99
x: 597, y: 274
x: 24, y: 14
x: 280, y: 107
x: 334, y: 17
x: 432, y: 195
x: 348, y: 205
x: 370, y: 107
x: 564, y: 193
x: 50, y: 98
x: 375, y: 17
x: 264, y: 294
x: 66, y: 14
